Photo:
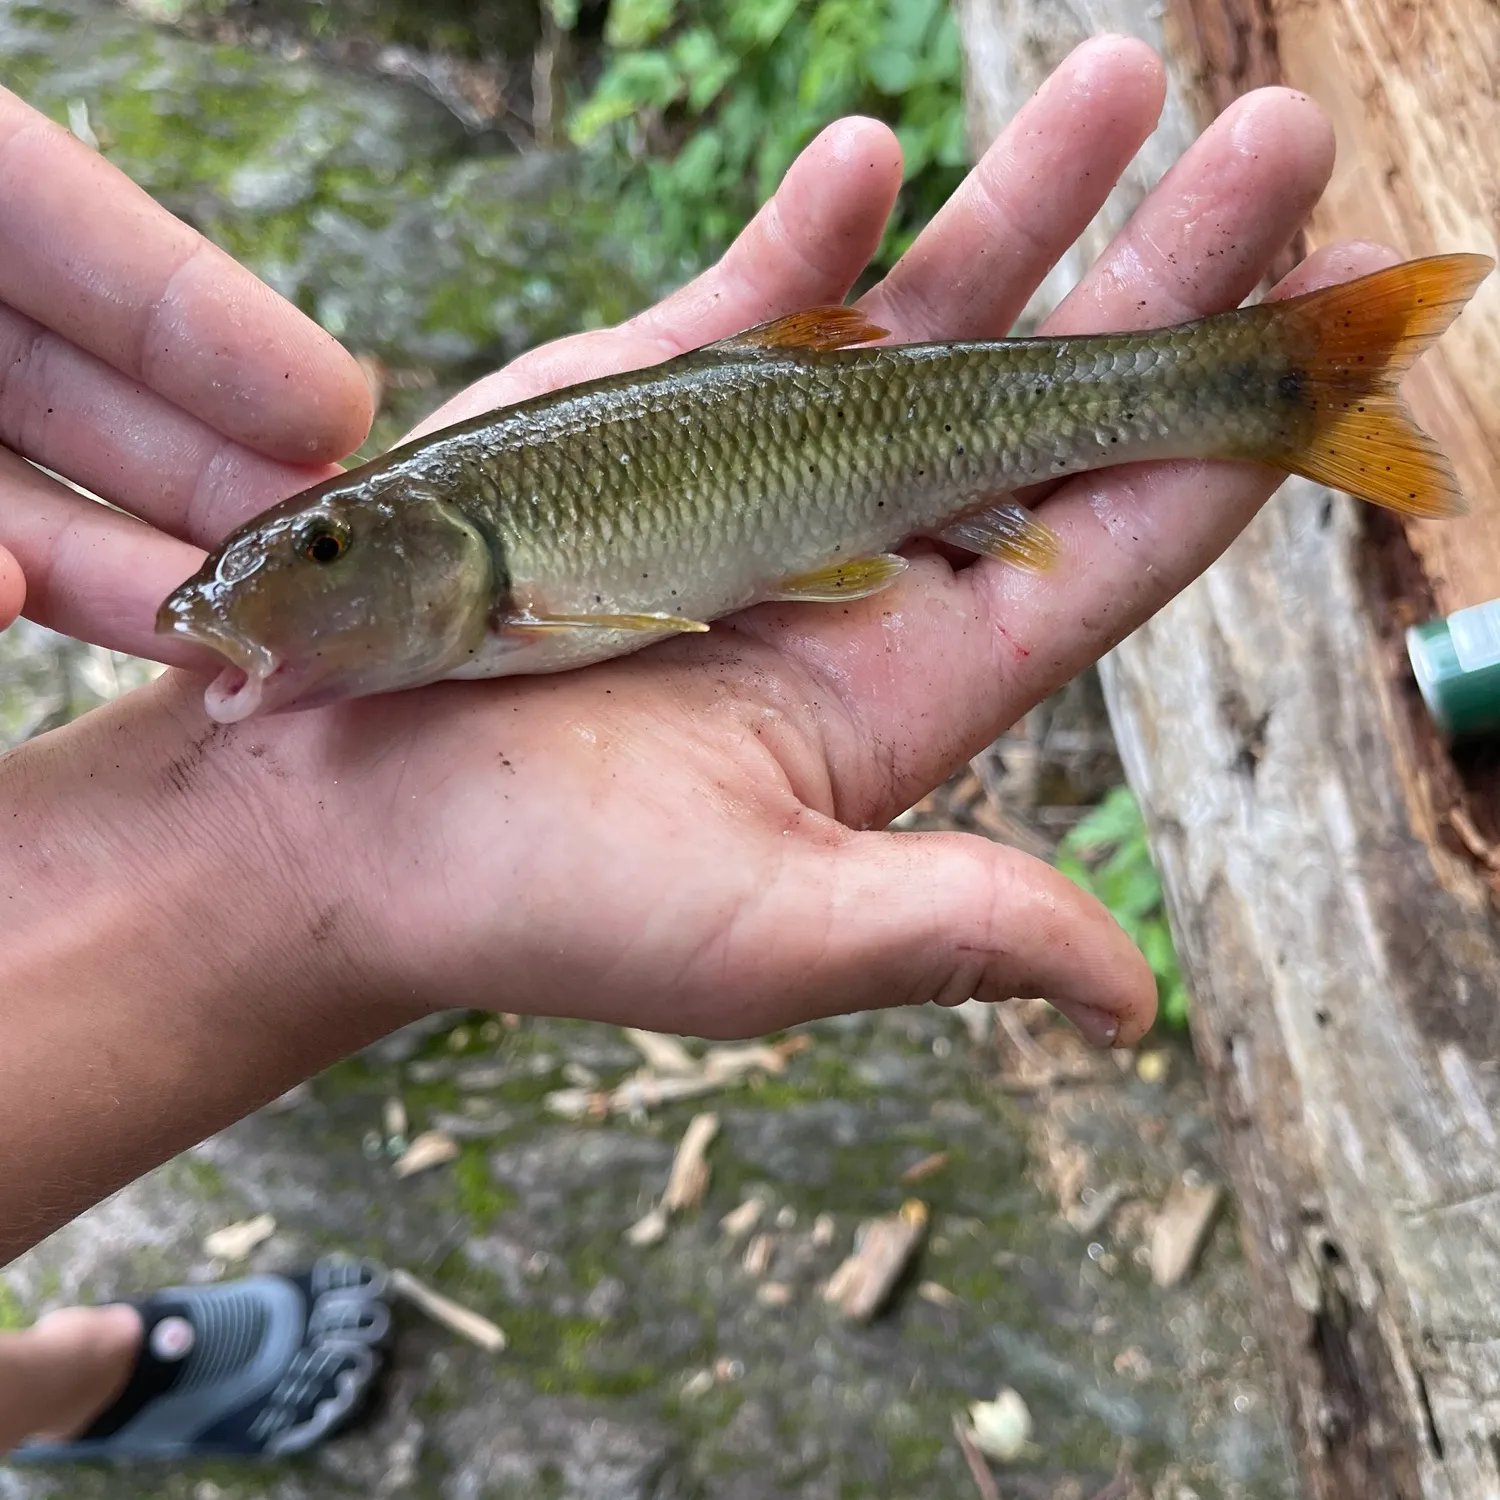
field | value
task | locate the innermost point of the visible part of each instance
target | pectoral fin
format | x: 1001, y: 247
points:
x: 1008, y: 532
x: 856, y: 579
x: 607, y: 622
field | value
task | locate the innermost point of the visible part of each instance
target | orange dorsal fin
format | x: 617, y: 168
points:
x: 1351, y: 344
x: 814, y: 329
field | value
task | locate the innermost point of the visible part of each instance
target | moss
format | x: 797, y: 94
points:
x: 12, y: 1313
x: 202, y: 1179
x: 479, y: 1195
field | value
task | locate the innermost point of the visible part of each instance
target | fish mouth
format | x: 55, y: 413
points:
x: 239, y: 690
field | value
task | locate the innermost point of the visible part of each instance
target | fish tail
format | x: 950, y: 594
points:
x: 1349, y: 346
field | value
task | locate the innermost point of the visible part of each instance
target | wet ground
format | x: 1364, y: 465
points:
x: 708, y: 1363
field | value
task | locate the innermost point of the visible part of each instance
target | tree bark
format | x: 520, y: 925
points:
x: 1327, y: 862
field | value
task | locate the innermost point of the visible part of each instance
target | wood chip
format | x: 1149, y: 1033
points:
x: 742, y: 1059
x: 937, y: 1294
x: 823, y: 1229
x: 663, y: 1054
x: 773, y: 1294
x: 452, y: 1315
x: 648, y: 1231
x: 919, y: 1171
x: 738, y: 1222
x: 576, y: 1104
x: 644, y: 1091
x: 236, y: 1241
x: 1182, y: 1229
x: 690, y: 1170
x: 863, y: 1283
x: 757, y: 1259
x: 430, y: 1149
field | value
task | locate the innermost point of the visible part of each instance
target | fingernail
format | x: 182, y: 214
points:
x: 1097, y: 1026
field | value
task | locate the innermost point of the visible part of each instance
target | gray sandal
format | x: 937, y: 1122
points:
x: 269, y: 1365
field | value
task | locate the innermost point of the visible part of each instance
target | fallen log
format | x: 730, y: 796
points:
x: 1330, y: 865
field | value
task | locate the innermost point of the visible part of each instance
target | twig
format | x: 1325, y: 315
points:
x: 1050, y: 1072
x: 452, y: 1315
x: 689, y: 1179
x: 984, y: 1481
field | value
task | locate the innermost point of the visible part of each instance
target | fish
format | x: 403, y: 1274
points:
x: 788, y: 462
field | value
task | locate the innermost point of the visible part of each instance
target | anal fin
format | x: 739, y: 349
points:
x: 856, y: 579
x: 1009, y: 533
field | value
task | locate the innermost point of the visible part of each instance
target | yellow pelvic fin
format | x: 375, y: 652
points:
x: 608, y: 622
x: 815, y: 328
x: 856, y: 579
x: 1008, y: 532
x: 1351, y: 344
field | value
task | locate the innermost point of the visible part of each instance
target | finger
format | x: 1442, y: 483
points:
x: 1135, y: 537
x: 92, y: 573
x: 63, y: 407
x: 806, y: 245
x: 12, y: 588
x: 973, y: 268
x: 86, y: 252
x: 936, y: 670
x: 902, y: 919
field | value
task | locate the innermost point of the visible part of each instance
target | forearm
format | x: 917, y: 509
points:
x: 165, y: 966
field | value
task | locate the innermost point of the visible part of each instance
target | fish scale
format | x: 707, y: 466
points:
x: 787, y: 462
x: 760, y: 469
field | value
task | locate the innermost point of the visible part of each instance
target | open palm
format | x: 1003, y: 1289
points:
x: 685, y: 839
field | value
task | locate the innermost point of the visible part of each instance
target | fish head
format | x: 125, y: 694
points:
x: 354, y: 587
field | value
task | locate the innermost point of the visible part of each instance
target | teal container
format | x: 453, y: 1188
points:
x: 1456, y: 662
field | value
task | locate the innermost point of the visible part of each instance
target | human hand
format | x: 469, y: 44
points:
x: 12, y: 588
x: 680, y: 840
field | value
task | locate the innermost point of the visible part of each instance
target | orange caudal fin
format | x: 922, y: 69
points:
x: 1351, y: 344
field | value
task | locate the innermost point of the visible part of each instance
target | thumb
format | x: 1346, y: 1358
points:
x: 906, y: 918
x: 12, y: 588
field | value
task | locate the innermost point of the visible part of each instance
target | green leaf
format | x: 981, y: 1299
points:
x: 707, y: 68
x: 891, y: 69
x: 697, y: 164
x: 758, y: 23
x: 1156, y: 946
x: 1114, y: 819
x: 633, y: 23
x: 1173, y: 1005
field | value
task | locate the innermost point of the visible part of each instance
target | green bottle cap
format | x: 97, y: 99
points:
x: 1457, y: 666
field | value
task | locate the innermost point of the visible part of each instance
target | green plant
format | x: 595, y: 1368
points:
x: 702, y: 105
x: 1107, y: 853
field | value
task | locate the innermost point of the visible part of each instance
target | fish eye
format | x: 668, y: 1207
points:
x: 323, y: 541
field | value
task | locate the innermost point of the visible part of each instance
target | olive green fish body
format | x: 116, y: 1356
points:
x: 697, y: 489
x: 784, y: 463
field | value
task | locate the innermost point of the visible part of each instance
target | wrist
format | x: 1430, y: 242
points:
x: 173, y: 949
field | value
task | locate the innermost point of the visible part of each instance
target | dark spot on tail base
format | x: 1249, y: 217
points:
x: 1289, y: 387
